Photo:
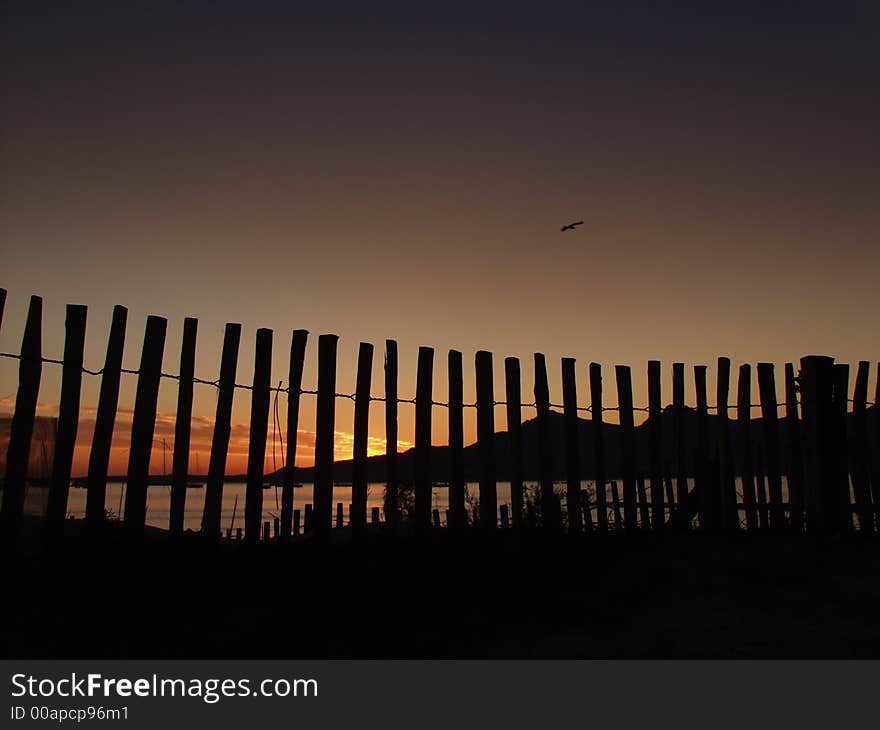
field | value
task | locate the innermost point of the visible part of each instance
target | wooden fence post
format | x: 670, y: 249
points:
x: 817, y: 408
x: 339, y: 514
x: 769, y: 417
x: 655, y: 421
x: 744, y: 417
x: 182, y: 427
x: 143, y: 423
x: 457, y: 517
x: 18, y: 452
x: 391, y: 505
x: 627, y: 445
x: 361, y: 435
x: 841, y: 460
x: 551, y: 517
x: 707, y: 496
x: 874, y: 450
x: 642, y: 496
x: 514, y: 434
x: 678, y: 410
x: 763, y: 511
x: 298, y: 341
x: 325, y: 424
x: 422, y: 461
x: 795, y: 472
x: 486, y: 440
x: 2, y: 304
x: 598, y: 445
x: 68, y: 416
x: 670, y: 492
x: 222, y: 429
x: 253, y: 505
x: 615, y: 503
x: 374, y: 515
x: 727, y: 472
x: 296, y: 521
x: 505, y: 517
x: 860, y: 478
x: 105, y: 419
x: 572, y: 446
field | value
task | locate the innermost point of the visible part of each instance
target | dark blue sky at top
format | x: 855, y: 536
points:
x: 824, y: 48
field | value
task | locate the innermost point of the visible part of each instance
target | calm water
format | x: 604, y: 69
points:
x: 159, y: 498
x: 159, y: 502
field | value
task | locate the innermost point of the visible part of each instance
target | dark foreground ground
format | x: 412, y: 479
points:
x: 685, y: 595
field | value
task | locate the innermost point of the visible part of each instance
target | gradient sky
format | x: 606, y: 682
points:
x: 391, y: 170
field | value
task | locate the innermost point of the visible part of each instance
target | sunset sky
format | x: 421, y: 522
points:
x: 401, y: 170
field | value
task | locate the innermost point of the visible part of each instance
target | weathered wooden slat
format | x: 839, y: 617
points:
x: 860, y: 478
x: 222, y: 429
x: 795, y: 464
x: 183, y: 426
x: 486, y: 440
x: 874, y: 450
x: 253, y: 505
x: 422, y: 460
x: 747, y: 467
x: 769, y: 418
x: 457, y: 517
x: 68, y: 416
x: 143, y: 423
x: 105, y: 419
x: 598, y: 445
x: 727, y: 471
x: 30, y: 368
x: 505, y: 517
x: 572, y: 445
x: 298, y: 341
x: 615, y: 503
x: 708, y: 499
x: 513, y: 393
x: 678, y: 410
x: 644, y: 511
x: 763, y: 508
x: 361, y: 436
x: 840, y: 446
x: 325, y: 424
x: 392, y: 511
x: 817, y: 409
x: 627, y: 445
x: 551, y: 518
x: 655, y: 433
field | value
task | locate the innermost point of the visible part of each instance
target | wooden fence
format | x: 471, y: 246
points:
x: 831, y: 465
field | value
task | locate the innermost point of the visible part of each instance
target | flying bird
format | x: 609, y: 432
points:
x: 571, y: 226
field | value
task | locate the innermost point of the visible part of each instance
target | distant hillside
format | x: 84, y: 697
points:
x: 440, y: 454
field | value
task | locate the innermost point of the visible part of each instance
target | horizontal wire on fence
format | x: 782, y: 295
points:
x: 382, y: 399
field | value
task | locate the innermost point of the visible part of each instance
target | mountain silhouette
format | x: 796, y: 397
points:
x: 440, y: 461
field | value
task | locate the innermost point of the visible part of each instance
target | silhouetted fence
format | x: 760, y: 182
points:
x: 827, y: 455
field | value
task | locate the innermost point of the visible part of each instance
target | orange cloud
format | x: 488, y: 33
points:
x: 201, y: 436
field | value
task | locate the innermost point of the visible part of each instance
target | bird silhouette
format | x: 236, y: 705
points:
x: 571, y: 226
